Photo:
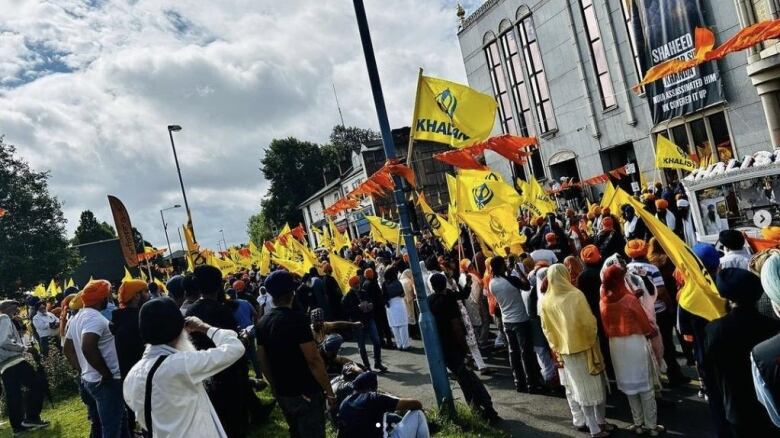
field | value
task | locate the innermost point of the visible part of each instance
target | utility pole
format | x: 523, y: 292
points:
x: 433, y: 351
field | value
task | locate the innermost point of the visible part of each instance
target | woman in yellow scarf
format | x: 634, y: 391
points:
x: 570, y: 328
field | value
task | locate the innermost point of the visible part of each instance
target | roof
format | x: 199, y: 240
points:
x: 333, y: 185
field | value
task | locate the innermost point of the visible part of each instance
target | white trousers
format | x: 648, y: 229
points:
x: 643, y: 409
x: 401, y: 335
x: 413, y: 425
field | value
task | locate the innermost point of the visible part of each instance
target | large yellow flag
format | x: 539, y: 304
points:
x: 441, y: 228
x: 343, y: 270
x: 670, y: 156
x: 127, y: 276
x: 497, y: 227
x: 481, y: 174
x: 450, y: 113
x: 291, y: 266
x: 479, y: 194
x: 699, y: 295
x: 309, y: 259
x: 225, y: 266
x: 53, y: 289
x: 383, y: 230
x: 536, y: 200
x: 339, y: 240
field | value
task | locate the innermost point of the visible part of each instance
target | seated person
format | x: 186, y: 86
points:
x: 368, y: 414
x: 329, y: 350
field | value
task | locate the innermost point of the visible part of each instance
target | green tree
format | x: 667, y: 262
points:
x: 33, y: 245
x: 343, y: 141
x: 294, y: 169
x: 258, y: 229
x: 90, y: 230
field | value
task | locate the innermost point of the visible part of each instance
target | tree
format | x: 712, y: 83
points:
x: 258, y: 229
x: 90, y: 230
x: 33, y: 245
x: 343, y: 141
x: 294, y: 168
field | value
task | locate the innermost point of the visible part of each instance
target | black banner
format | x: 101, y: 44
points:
x: 663, y: 30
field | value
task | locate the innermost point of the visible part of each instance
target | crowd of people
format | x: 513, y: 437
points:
x: 585, y: 305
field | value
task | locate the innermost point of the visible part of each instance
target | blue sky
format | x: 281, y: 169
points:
x: 87, y: 89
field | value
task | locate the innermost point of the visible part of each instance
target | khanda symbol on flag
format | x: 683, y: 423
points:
x: 498, y: 229
x: 447, y: 102
x: 387, y: 223
x: 432, y: 220
x: 482, y: 195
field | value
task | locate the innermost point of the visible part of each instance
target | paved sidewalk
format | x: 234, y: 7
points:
x: 681, y: 411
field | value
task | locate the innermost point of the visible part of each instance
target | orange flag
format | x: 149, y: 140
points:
x: 401, y: 170
x: 760, y: 244
x: 704, y: 43
x: 460, y: 158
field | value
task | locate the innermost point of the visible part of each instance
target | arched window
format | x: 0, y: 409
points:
x: 532, y: 56
x: 517, y: 84
x: 498, y: 81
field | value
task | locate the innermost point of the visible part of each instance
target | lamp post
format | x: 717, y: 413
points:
x: 223, y: 238
x: 433, y: 351
x: 171, y: 130
x: 165, y: 228
x: 181, y: 242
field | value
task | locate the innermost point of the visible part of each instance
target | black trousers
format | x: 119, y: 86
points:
x: 665, y: 322
x: 474, y: 390
x: 23, y: 407
x: 522, y: 357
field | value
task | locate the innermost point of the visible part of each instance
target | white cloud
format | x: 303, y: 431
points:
x: 87, y: 88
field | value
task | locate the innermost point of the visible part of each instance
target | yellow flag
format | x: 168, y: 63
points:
x: 225, y: 266
x: 453, y: 114
x: 481, y: 174
x: 143, y: 275
x: 70, y: 283
x: 309, y: 260
x: 51, y: 290
x: 339, y: 240
x: 127, y: 276
x: 441, y: 228
x: 292, y: 266
x: 523, y: 186
x: 497, y: 227
x: 343, y: 270
x: 670, y: 156
x: 452, y: 189
x: 699, y: 295
x: 536, y: 200
x: 160, y: 285
x: 452, y: 215
x: 479, y: 194
x: 39, y: 291
x: 383, y: 230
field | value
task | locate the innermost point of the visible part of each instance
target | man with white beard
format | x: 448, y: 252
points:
x: 166, y: 385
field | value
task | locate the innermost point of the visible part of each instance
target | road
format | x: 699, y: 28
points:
x: 680, y: 410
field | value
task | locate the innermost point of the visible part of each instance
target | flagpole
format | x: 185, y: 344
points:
x: 433, y: 350
x: 412, y: 127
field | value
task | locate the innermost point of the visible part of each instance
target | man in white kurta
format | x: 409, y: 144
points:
x: 180, y: 405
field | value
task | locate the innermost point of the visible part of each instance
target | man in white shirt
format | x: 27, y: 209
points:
x: 90, y: 349
x: 47, y: 326
x: 736, y: 256
x: 177, y: 404
x: 23, y: 409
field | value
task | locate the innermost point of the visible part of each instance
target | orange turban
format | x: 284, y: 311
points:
x: 239, y: 285
x: 129, y: 289
x: 661, y: 204
x: 607, y: 223
x: 606, y: 211
x: 591, y: 216
x: 771, y: 233
x: 550, y: 237
x: 464, y: 265
x: 636, y: 248
x: 95, y: 292
x: 596, y: 209
x: 590, y: 255
x: 369, y: 273
x: 569, y: 212
x: 354, y: 281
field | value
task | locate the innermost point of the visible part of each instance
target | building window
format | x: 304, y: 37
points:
x: 532, y: 56
x: 626, y: 5
x: 498, y: 80
x: 517, y: 82
x: 704, y: 136
x: 598, y: 55
x: 537, y: 167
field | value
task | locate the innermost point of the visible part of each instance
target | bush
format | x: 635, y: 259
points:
x: 60, y: 375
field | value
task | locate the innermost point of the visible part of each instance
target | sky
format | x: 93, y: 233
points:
x: 88, y: 87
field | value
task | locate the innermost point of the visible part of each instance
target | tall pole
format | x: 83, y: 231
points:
x: 165, y: 228
x: 433, y: 351
x: 172, y: 128
x: 181, y: 241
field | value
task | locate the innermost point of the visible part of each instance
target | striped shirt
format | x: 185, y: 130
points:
x: 655, y: 276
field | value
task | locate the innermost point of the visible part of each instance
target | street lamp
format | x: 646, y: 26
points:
x: 223, y: 238
x: 165, y: 228
x: 171, y: 130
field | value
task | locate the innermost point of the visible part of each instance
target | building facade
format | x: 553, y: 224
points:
x: 563, y: 71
